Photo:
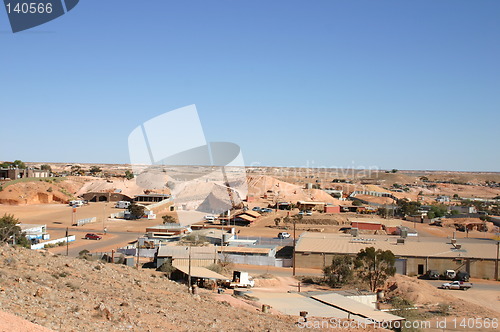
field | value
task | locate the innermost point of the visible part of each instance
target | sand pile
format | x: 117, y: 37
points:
x: 266, y: 185
x: 127, y: 187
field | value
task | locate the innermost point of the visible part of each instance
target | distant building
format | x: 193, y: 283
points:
x: 332, y: 208
x: 310, y: 205
x: 151, y: 198
x: 16, y: 173
x: 414, y: 256
x: 34, y: 231
x: 443, y: 199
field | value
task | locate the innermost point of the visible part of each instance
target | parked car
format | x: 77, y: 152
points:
x: 462, y: 276
x: 449, y: 275
x: 257, y: 209
x: 301, y: 213
x: 432, y: 274
x: 92, y: 236
x: 456, y: 285
x: 309, y: 213
x: 209, y: 218
x: 266, y: 210
x: 283, y: 235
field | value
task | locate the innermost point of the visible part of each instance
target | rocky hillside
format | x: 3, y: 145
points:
x: 65, y: 294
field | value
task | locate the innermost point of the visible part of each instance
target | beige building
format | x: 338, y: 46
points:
x: 414, y: 257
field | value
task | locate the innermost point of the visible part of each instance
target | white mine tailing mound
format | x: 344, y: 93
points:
x: 127, y: 187
x: 259, y: 185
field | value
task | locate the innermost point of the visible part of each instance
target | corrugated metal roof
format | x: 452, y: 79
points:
x: 245, y: 250
x: 200, y: 272
x: 311, y: 203
x: 356, y: 307
x: 246, y: 217
x: 177, y: 252
x: 417, y: 247
x: 251, y: 213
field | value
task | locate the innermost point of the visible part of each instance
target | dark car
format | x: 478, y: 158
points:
x: 92, y: 236
x: 462, y: 276
x: 256, y: 209
x: 432, y: 274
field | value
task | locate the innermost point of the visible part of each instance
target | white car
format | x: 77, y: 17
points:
x: 209, y: 218
x: 283, y: 235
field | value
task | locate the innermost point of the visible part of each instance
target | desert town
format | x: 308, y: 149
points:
x: 289, y: 250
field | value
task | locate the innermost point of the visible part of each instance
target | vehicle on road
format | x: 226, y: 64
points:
x: 462, y: 276
x: 456, y: 285
x: 283, y: 235
x: 92, y: 236
x: 432, y: 275
x: 449, y: 274
x: 76, y: 203
x: 241, y: 279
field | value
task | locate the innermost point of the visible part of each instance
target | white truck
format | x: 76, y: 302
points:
x: 76, y: 203
x: 456, y: 285
x: 241, y: 279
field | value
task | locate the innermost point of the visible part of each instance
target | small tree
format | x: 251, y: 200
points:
x: 9, y: 231
x: 129, y: 175
x: 357, y: 203
x: 75, y: 169
x: 340, y: 271
x: 277, y: 221
x: 95, y: 170
x: 46, y: 167
x: 169, y: 219
x: 297, y: 218
x: 167, y: 267
x: 375, y: 266
x: 19, y: 164
x: 136, y: 211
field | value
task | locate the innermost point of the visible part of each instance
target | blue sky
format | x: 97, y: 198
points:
x: 389, y: 84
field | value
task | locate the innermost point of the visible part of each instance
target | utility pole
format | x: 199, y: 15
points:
x: 67, y: 242
x: 496, y: 262
x: 294, y: 242
x: 189, y: 270
x: 138, y: 248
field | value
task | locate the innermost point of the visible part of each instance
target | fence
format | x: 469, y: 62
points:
x: 118, y: 215
x: 81, y: 222
x: 257, y: 260
x: 70, y: 238
x: 133, y: 252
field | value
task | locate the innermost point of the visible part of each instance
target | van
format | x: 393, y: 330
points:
x: 122, y: 205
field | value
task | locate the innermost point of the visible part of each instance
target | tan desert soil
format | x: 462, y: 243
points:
x: 41, y: 191
x: 12, y: 323
x: 66, y: 294
x: 424, y: 294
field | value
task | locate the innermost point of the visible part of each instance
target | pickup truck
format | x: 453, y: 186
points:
x: 456, y: 285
